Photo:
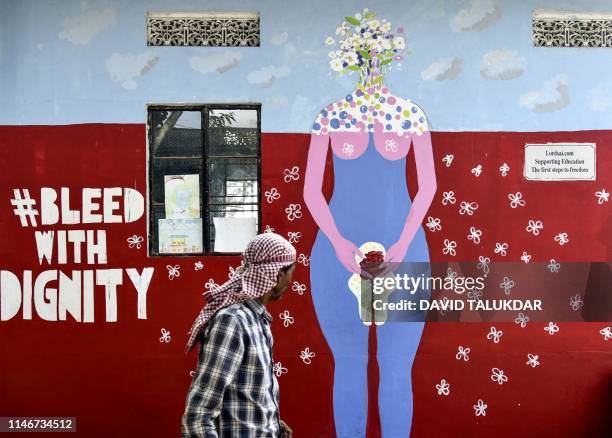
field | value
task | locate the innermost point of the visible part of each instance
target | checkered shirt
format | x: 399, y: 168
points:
x: 234, y: 392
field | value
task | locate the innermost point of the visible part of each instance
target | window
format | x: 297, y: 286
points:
x: 555, y: 28
x: 204, y: 178
x: 209, y: 29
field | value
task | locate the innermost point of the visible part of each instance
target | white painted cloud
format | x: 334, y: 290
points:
x: 81, y: 29
x: 443, y: 69
x: 600, y: 98
x: 280, y: 38
x: 219, y: 62
x: 267, y: 75
x: 479, y: 15
x: 552, y: 97
x: 502, y: 64
x: 126, y: 67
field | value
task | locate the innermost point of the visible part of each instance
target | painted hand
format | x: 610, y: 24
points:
x: 346, y: 252
x: 395, y: 254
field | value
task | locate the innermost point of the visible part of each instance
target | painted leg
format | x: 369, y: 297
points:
x: 397, y: 346
x: 338, y: 315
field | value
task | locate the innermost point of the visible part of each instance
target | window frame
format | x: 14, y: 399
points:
x: 204, y: 109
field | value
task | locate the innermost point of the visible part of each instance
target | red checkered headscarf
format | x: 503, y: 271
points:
x: 262, y: 259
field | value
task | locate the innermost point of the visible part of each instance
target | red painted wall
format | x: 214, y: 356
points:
x: 118, y: 379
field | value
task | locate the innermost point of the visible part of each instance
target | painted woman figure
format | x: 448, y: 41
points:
x: 370, y: 132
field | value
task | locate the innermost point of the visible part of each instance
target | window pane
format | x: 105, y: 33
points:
x: 233, y: 133
x: 233, y: 190
x: 176, y: 133
x: 171, y: 167
x: 175, y: 236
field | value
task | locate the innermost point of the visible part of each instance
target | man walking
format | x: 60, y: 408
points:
x: 234, y: 392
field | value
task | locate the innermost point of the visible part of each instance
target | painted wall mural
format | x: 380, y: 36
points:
x: 372, y: 175
x: 371, y: 131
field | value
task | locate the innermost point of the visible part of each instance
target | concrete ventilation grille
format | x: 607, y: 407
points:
x: 571, y: 29
x: 208, y: 29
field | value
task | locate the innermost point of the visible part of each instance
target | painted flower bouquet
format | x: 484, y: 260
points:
x: 372, y: 263
x: 361, y: 287
x: 366, y: 45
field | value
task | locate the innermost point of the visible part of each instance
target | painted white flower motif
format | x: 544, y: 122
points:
x: 336, y: 64
x: 292, y: 174
x: 448, y: 159
x: 561, y: 238
x: 269, y: 229
x: 480, y: 408
x: 576, y: 302
x: 495, y: 335
x: 534, y: 227
x: 210, y: 284
x: 522, y: 320
x: 443, y: 311
x: 448, y: 198
x: 198, y: 266
x: 606, y: 332
x: 498, y: 376
x: 279, y: 369
x: 483, y: 263
x: 294, y: 236
x: 390, y: 146
x: 602, y: 196
x: 532, y: 360
x: 516, y: 200
x: 165, y: 336
x: 526, y: 257
x: 474, y: 235
x: 272, y: 195
x: 443, y: 387
x: 500, y: 248
x: 232, y: 272
x: 504, y: 169
x: 329, y: 41
x: 306, y: 355
x: 135, y: 241
x: 463, y: 353
x: 450, y: 274
x: 433, y: 223
x: 552, y: 328
x: 294, y: 211
x: 286, y: 317
x: 303, y: 259
x: 468, y: 208
x: 192, y: 373
x: 348, y: 149
x: 507, y: 284
x: 554, y: 266
x: 300, y: 288
x: 173, y: 271
x: 449, y: 247
x: 475, y: 294
x: 477, y: 170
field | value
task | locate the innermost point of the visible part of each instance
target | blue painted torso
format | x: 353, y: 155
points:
x: 370, y: 201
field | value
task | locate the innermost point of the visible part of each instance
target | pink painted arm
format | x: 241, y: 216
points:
x: 317, y: 205
x: 426, y: 176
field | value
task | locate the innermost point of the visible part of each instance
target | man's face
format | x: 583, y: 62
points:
x: 284, y: 278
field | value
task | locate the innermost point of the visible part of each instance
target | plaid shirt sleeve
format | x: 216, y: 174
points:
x: 220, y: 357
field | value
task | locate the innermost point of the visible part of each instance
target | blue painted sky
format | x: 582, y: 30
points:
x: 64, y: 62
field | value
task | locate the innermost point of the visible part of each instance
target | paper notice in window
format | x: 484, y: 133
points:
x: 560, y: 162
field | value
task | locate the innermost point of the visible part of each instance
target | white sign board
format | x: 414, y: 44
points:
x: 560, y: 162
